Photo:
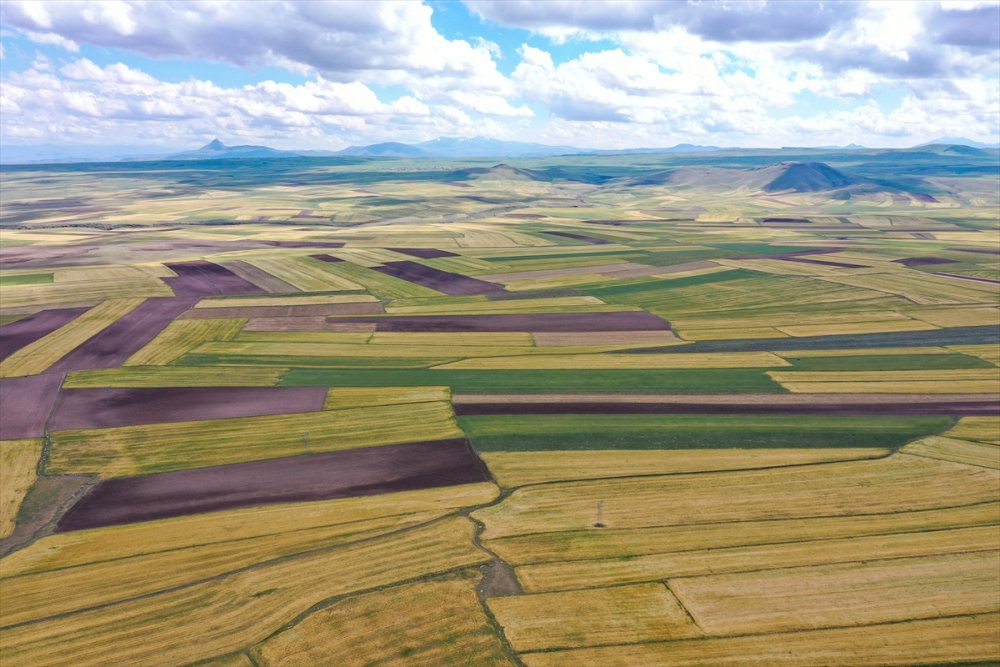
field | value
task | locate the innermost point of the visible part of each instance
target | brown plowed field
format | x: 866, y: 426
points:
x: 443, y: 281
x: 107, y: 408
x: 201, y: 278
x: 16, y: 335
x: 25, y: 404
x: 355, y: 472
x: 311, y: 310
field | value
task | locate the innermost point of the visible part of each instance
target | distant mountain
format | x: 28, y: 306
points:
x: 848, y: 147
x: 957, y: 141
x: 386, y: 149
x: 216, y: 150
x: 779, y: 177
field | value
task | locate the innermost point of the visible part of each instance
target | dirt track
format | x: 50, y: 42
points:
x: 355, y: 472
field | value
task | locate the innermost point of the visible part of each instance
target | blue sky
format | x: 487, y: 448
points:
x: 608, y: 74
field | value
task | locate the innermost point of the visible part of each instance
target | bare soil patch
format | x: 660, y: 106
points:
x: 25, y: 331
x: 25, y: 404
x: 443, y: 281
x: 108, y: 408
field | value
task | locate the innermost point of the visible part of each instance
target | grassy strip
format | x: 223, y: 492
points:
x: 603, y: 432
x: 895, y: 362
x: 26, y: 279
x: 697, y: 381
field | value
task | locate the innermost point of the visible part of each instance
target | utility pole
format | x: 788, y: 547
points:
x: 600, y: 514
x: 305, y: 443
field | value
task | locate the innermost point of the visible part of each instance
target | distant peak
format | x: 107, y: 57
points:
x: 213, y: 145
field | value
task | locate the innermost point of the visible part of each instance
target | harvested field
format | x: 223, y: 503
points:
x: 358, y: 397
x: 433, y: 623
x: 622, y: 338
x: 150, y: 448
x: 959, y: 451
x: 108, y: 408
x: 201, y: 278
x: 674, y: 566
x: 303, y: 274
x: 617, y: 547
x: 315, y: 324
x: 837, y: 595
x: 424, y: 253
x: 215, y: 303
x: 25, y: 404
x: 18, y: 468
x: 27, y: 330
x: 513, y: 469
x: 979, y: 429
x: 554, y: 322
x: 623, y: 615
x: 899, y: 483
x: 823, y: 262
x: 904, y: 382
x: 970, y: 639
x: 226, y: 614
x: 442, y: 281
x: 356, y: 472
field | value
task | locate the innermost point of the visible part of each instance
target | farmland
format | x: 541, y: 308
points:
x: 566, y: 412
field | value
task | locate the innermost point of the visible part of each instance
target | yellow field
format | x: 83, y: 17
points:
x: 587, y: 544
x: 180, y: 337
x: 563, y: 304
x: 924, y: 289
x: 283, y: 300
x: 604, y: 338
x: 339, y: 398
x: 61, y: 294
x: 512, y: 469
x: 980, y: 429
x: 966, y: 381
x: 856, y: 328
x: 849, y: 594
x: 959, y: 451
x: 898, y: 483
x: 39, y: 355
x: 224, y: 615
x: 958, y: 317
x: 175, y: 376
x: 965, y: 639
x: 18, y: 470
x: 430, y: 624
x: 303, y: 274
x: 657, y: 567
x: 621, y: 615
x: 133, y: 450
x: 625, y: 361
x: 448, y: 339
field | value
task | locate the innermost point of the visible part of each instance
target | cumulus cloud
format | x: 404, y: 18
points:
x: 722, y: 21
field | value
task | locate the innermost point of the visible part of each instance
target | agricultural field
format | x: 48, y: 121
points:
x: 590, y: 410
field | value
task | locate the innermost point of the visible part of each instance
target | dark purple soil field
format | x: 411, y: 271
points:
x: 355, y: 472
x: 107, y: 408
x: 312, y: 310
x: 25, y: 404
x: 201, y: 278
x: 923, y: 261
x: 442, y: 281
x: 423, y: 253
x: 318, y: 323
x: 118, y: 342
x: 327, y: 258
x: 16, y: 335
x: 944, y: 407
x: 580, y: 237
x: 842, y: 265
x: 535, y: 322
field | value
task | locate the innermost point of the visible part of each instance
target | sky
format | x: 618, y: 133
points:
x: 589, y: 73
